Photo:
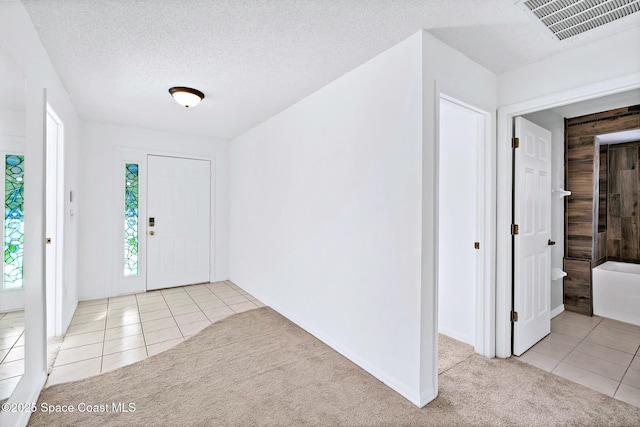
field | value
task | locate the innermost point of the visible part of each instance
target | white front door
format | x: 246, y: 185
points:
x: 179, y: 221
x: 532, y: 253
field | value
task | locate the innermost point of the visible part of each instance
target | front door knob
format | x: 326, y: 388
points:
x: 551, y: 242
x: 151, y: 233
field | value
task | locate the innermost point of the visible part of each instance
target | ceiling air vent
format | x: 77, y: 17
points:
x: 568, y: 18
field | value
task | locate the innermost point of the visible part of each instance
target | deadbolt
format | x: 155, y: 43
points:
x: 151, y: 233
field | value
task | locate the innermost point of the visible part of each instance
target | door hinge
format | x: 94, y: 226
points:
x: 515, y: 143
x: 514, y: 229
x: 476, y: 245
x: 514, y: 316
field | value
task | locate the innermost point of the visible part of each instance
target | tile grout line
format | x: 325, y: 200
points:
x: 144, y: 339
x: 593, y: 328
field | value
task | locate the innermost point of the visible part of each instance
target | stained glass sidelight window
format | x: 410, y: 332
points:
x: 13, y: 221
x: 131, y: 220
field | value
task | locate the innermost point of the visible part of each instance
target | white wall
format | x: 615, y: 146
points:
x: 333, y: 209
x: 326, y: 214
x: 19, y: 39
x: 105, y: 149
x: 615, y: 56
x: 554, y: 123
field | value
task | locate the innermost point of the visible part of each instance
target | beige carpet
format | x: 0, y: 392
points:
x: 258, y: 369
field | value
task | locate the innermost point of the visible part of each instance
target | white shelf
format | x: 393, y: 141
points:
x: 557, y: 273
x: 561, y: 193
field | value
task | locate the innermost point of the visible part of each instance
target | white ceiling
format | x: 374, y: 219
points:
x: 254, y: 58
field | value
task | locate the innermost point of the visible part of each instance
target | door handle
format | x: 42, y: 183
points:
x: 551, y: 242
x: 151, y: 233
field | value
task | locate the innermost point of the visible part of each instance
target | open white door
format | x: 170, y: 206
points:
x: 532, y: 253
x: 179, y: 223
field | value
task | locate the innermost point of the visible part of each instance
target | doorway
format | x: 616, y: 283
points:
x: 504, y: 194
x: 179, y: 221
x: 461, y: 215
x: 54, y: 161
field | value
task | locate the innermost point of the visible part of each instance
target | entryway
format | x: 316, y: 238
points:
x: 179, y: 221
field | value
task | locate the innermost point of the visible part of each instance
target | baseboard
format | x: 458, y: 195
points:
x: 417, y: 399
x: 456, y: 336
x: 559, y: 309
x: 27, y: 392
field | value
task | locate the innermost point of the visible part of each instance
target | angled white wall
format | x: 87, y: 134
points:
x: 333, y: 209
x: 326, y: 214
x: 105, y: 149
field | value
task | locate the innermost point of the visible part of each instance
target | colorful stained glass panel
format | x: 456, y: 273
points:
x: 13, y: 221
x: 131, y: 220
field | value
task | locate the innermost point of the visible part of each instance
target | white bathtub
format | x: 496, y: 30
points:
x: 616, y: 291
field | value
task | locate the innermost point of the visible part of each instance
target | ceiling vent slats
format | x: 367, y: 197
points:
x: 568, y: 18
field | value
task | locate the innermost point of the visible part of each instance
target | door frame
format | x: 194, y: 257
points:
x: 123, y: 285
x: 484, y: 328
x: 54, y: 320
x: 504, y: 249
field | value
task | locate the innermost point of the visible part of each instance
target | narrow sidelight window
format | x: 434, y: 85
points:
x: 131, y: 220
x: 13, y: 221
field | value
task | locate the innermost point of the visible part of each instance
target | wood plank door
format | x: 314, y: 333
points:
x: 179, y: 223
x: 532, y: 251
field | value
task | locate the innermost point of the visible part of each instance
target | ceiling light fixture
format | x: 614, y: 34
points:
x: 186, y: 96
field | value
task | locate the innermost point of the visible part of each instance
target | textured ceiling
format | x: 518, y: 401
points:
x: 254, y: 58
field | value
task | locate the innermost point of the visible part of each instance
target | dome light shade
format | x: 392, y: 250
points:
x: 186, y: 96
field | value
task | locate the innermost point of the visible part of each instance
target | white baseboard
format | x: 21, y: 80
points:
x: 559, y: 309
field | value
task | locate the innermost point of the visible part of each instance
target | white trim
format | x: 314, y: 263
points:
x: 556, y: 311
x: 58, y: 239
x: 26, y: 393
x: 503, y: 186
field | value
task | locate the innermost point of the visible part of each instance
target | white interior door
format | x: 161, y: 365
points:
x: 460, y: 219
x: 178, y: 241
x: 532, y: 253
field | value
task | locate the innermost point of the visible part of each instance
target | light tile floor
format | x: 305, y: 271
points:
x: 599, y: 353
x: 11, y: 351
x: 110, y: 333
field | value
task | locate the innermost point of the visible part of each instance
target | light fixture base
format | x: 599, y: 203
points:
x: 186, y: 96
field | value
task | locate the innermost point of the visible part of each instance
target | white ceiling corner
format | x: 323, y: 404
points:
x: 252, y: 59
